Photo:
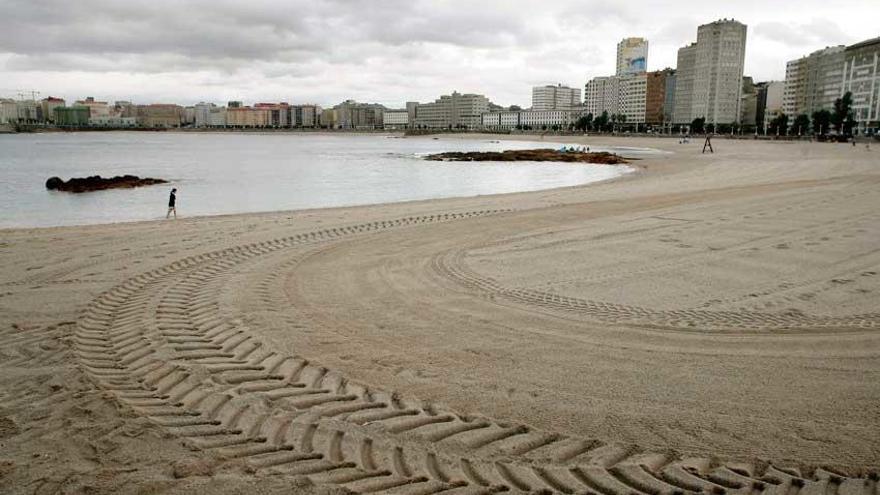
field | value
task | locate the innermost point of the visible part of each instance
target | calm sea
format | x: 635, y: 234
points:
x: 219, y: 173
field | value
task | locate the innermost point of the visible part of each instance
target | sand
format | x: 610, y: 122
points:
x: 708, y: 323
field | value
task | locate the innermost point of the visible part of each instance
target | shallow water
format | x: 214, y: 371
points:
x: 220, y: 173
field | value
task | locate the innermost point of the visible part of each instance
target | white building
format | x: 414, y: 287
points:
x: 395, y: 119
x: 8, y: 111
x: 217, y: 117
x: 28, y: 111
x: 529, y: 119
x: 455, y: 111
x: 557, y: 97
x: 813, y: 82
x: 709, y: 74
x: 618, y: 95
x: 632, y: 56
x: 112, y: 121
x: 202, y: 115
x: 861, y: 77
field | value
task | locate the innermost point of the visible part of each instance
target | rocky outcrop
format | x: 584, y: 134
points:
x: 539, y: 155
x: 97, y: 183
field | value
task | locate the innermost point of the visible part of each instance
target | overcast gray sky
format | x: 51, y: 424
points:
x: 390, y: 51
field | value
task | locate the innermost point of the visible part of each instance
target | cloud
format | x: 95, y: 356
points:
x: 817, y: 33
x: 376, y: 50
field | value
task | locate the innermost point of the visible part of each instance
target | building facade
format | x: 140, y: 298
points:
x: 278, y: 113
x: 217, y: 117
x: 618, y: 95
x: 114, y: 121
x: 684, y: 84
x: 8, y: 111
x: 395, y: 119
x: 813, y: 82
x: 557, y: 97
x: 709, y: 74
x: 529, y: 119
x: 305, y: 116
x: 632, y: 56
x: 769, y: 103
x: 159, y: 115
x: 353, y: 115
x: 71, y: 116
x: 657, y: 95
x: 861, y: 77
x: 96, y: 108
x: 48, y: 106
x: 248, y: 117
x: 455, y: 111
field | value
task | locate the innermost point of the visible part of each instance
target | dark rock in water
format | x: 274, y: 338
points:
x: 539, y: 155
x: 97, y: 183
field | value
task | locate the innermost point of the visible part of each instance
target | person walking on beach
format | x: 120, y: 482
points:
x: 172, y: 202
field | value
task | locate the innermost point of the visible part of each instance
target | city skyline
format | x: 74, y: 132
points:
x: 397, y: 51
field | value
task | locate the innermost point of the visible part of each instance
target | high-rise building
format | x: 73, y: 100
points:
x: 813, y: 82
x: 714, y: 64
x: 557, y: 97
x: 684, y: 84
x: 617, y: 95
x: 632, y: 56
x: 455, y: 111
x: 861, y: 77
x: 657, y: 94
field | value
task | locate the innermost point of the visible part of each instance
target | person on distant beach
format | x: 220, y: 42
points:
x: 172, y: 201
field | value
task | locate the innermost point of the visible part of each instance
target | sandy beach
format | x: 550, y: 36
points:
x: 709, y: 323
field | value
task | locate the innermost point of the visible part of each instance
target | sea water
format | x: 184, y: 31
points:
x: 236, y: 172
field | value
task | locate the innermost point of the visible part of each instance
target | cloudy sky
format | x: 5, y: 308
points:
x: 388, y: 51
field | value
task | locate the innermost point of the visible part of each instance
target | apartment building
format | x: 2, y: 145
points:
x: 48, y: 106
x: 813, y: 82
x: 657, y: 94
x: 709, y: 74
x: 159, y: 115
x: 529, y: 119
x: 278, y: 113
x: 305, y: 115
x: 861, y: 77
x: 618, y: 95
x: 248, y: 117
x: 556, y: 97
x: 454, y: 111
x: 353, y: 115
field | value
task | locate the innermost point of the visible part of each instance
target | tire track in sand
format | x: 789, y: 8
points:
x: 161, y: 343
x: 451, y: 266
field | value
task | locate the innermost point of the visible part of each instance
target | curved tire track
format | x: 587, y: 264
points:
x: 162, y: 344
